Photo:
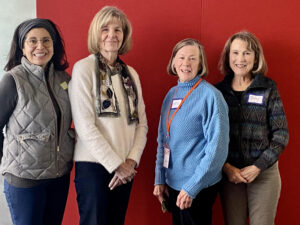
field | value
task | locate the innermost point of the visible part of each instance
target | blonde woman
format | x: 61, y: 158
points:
x: 110, y: 121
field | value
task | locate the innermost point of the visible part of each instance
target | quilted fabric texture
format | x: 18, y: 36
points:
x: 31, y: 145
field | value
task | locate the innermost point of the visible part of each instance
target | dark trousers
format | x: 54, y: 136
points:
x: 97, y: 204
x: 200, y: 213
x: 43, y: 204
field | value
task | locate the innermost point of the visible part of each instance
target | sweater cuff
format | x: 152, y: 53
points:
x: 261, y: 165
x: 160, y: 177
x: 135, y: 156
x: 112, y: 166
x: 266, y: 160
x: 192, y: 190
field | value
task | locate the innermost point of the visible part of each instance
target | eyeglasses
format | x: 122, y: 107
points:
x: 33, y: 42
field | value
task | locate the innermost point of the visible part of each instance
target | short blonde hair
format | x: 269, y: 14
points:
x: 106, y: 15
x: 203, y: 68
x: 260, y: 64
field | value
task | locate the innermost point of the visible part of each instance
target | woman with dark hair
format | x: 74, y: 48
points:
x: 38, y: 143
x: 110, y: 121
x: 258, y: 133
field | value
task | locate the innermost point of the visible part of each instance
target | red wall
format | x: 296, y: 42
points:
x: 157, y: 26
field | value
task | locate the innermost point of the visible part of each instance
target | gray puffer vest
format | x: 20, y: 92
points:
x: 32, y: 148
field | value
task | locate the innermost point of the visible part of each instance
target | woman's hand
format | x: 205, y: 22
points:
x: 123, y: 174
x: 159, y: 191
x: 184, y: 201
x: 234, y: 174
x: 249, y: 173
x: 115, y: 182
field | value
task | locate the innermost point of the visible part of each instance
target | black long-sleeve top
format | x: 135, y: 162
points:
x: 8, y: 101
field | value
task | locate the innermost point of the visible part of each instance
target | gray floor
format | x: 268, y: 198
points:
x: 4, y: 211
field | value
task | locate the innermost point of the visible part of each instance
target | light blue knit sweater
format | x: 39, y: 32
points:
x: 199, y: 137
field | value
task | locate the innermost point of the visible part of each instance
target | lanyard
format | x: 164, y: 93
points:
x: 168, y: 122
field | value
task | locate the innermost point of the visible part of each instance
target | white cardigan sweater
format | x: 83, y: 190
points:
x: 105, y: 140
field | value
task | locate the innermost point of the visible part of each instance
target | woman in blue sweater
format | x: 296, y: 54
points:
x: 193, y: 136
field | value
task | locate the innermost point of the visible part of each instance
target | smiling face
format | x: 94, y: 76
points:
x: 241, y: 58
x: 38, y: 47
x: 186, y: 62
x: 111, y: 37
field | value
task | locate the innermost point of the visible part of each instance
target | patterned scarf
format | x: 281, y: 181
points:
x: 107, y: 102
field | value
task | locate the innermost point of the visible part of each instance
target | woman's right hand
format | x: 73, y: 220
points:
x: 159, y: 191
x: 233, y: 174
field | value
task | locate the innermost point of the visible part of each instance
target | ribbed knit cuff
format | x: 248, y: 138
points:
x: 160, y: 177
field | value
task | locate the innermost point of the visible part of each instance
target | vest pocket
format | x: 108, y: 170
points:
x: 35, y: 150
x: 71, y: 133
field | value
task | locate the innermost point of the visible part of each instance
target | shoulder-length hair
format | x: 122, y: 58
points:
x: 106, y: 15
x: 260, y: 64
x: 59, y: 58
x: 203, y: 68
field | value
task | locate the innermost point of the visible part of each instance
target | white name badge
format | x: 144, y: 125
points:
x: 257, y: 99
x: 176, y: 102
x: 167, y: 152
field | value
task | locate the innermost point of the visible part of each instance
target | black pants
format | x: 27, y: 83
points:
x: 97, y: 204
x: 200, y: 213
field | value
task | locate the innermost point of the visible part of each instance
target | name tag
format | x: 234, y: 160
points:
x: 64, y: 85
x: 166, y: 157
x: 176, y: 102
x: 257, y: 99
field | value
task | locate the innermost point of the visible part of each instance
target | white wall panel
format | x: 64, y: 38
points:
x: 12, y: 13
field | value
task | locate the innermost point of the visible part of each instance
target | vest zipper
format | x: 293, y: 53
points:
x: 57, y: 142
x: 60, y: 131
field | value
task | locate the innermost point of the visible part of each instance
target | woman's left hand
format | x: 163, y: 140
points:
x: 115, y: 182
x: 123, y: 174
x: 250, y: 173
x: 184, y: 201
